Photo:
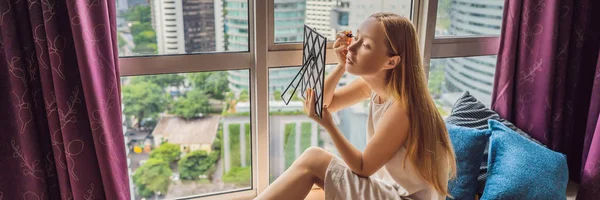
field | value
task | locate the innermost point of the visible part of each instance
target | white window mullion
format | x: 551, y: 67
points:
x: 260, y: 98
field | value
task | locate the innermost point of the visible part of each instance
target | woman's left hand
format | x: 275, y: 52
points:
x: 309, y: 107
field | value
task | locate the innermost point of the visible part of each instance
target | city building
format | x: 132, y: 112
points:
x: 318, y: 17
x: 473, y: 74
x: 190, y: 135
x: 289, y: 27
x: 199, y: 25
x: 184, y: 26
x: 348, y: 14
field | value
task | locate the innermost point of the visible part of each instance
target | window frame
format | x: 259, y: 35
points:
x: 263, y: 53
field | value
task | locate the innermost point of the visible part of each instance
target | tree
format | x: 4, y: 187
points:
x: 152, y: 176
x: 214, y: 84
x: 163, y: 80
x: 167, y: 152
x: 137, y: 28
x: 145, y: 48
x: 191, y: 104
x: 139, y: 13
x: 147, y: 36
x: 243, y: 96
x: 196, y: 163
x: 143, y: 99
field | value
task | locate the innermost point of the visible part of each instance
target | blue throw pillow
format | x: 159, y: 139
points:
x: 469, y: 144
x: 521, y: 169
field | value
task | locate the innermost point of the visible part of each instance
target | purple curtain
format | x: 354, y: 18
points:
x: 60, y: 133
x: 548, y: 65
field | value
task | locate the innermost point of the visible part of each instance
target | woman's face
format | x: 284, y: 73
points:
x: 368, y: 53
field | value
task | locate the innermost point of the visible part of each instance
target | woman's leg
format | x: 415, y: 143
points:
x: 296, y: 181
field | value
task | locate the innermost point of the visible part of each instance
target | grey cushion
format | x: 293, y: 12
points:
x: 470, y: 112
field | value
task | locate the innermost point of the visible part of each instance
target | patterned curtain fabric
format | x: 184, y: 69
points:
x: 61, y: 134
x: 548, y: 80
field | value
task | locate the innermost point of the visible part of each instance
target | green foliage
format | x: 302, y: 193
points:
x: 218, y: 142
x: 137, y: 28
x: 244, y: 96
x: 214, y: 84
x: 152, y: 176
x: 238, y: 176
x: 143, y: 99
x: 196, y: 163
x: 277, y: 95
x: 147, y: 36
x: 144, y: 35
x: 139, y: 13
x: 289, y: 141
x: 167, y: 152
x: 234, y: 141
x: 162, y: 80
x: 120, y: 40
x: 149, y: 124
x: 436, y: 79
x: 297, y: 97
x: 191, y: 104
x: 145, y: 48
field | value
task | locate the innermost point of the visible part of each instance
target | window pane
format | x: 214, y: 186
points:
x: 187, y: 134
x: 469, y: 17
x: 291, y: 131
x: 449, y: 78
x: 159, y: 27
x: 328, y: 16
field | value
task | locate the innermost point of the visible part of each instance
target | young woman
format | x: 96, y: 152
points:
x: 408, y: 153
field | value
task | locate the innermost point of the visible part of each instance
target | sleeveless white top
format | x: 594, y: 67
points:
x: 411, y: 184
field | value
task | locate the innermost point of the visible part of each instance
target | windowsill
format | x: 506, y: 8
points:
x: 241, y: 195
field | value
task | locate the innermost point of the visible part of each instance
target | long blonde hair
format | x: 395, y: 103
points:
x: 428, y: 145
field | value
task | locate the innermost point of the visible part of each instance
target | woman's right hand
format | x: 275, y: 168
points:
x: 340, y: 46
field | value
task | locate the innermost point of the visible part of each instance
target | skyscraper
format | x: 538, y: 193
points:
x: 289, y: 24
x: 473, y: 74
x: 199, y: 25
x: 318, y: 17
x: 350, y: 13
x: 184, y: 26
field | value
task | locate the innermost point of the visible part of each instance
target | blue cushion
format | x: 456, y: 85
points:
x: 521, y: 169
x: 469, y: 144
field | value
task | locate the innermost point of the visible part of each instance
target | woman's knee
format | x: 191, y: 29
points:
x: 315, y: 153
x: 316, y: 159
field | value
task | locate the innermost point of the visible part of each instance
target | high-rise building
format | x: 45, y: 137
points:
x: 199, y: 25
x: 289, y: 24
x: 350, y: 13
x: 184, y: 26
x: 473, y: 74
x: 318, y: 17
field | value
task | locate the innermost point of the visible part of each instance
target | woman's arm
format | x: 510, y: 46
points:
x: 390, y: 134
x: 348, y: 95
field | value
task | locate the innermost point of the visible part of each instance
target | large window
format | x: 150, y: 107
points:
x: 327, y: 16
x: 158, y: 27
x: 187, y: 134
x: 186, y: 113
x: 291, y: 131
x: 469, y: 17
x: 449, y: 78
x: 201, y: 81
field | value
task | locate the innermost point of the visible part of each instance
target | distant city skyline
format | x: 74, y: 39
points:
x: 473, y: 74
